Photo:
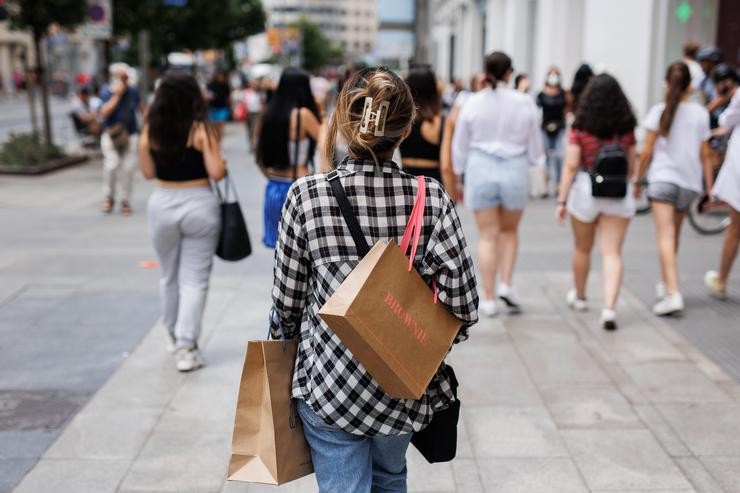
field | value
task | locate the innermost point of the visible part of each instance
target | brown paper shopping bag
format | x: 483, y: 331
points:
x: 268, y: 445
x: 389, y: 318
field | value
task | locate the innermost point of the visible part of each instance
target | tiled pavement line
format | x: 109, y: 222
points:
x: 667, y: 434
x: 216, y: 328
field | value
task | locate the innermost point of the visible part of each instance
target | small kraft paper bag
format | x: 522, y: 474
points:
x: 386, y: 314
x: 268, y: 445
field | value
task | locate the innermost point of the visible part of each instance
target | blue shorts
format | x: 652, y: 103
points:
x: 275, y: 195
x: 492, y: 181
x: 218, y: 114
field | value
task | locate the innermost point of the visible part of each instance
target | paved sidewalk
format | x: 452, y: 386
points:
x: 550, y: 404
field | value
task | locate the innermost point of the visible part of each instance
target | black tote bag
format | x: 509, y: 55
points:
x: 234, y: 241
x: 438, y: 441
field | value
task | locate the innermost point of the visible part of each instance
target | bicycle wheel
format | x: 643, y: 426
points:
x: 708, y: 218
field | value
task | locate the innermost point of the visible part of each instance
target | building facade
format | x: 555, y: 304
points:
x: 351, y: 23
x: 633, y: 39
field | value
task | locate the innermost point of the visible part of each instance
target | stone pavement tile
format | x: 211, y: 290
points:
x: 674, y: 382
x: 590, y: 407
x: 12, y: 471
x: 74, y: 476
x: 662, y: 431
x: 140, y: 386
x: 623, y: 460
x: 559, y: 362
x: 512, y: 432
x: 624, y: 383
x: 492, y: 374
x: 105, y: 434
x: 467, y: 475
x: 423, y: 476
x: 726, y: 470
x: 534, y: 475
x: 637, y: 342
x: 180, y: 462
x: 204, y: 404
x: 24, y: 444
x: 707, y: 429
x: 464, y: 447
x: 699, y: 476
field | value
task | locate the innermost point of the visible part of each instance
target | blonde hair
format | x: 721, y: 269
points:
x: 383, y: 86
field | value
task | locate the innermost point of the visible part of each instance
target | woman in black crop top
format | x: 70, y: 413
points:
x: 179, y: 148
x: 421, y: 150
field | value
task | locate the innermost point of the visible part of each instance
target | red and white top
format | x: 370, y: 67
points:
x: 590, y: 145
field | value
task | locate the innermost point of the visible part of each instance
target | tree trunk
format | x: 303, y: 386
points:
x: 44, y: 85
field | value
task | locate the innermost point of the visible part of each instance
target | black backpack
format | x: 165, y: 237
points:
x: 609, y: 171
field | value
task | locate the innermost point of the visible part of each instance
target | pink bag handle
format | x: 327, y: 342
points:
x: 416, y: 220
x: 414, y: 226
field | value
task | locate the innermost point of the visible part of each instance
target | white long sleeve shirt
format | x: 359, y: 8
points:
x: 502, y: 122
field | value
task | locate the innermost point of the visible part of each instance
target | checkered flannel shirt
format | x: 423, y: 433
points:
x: 315, y: 253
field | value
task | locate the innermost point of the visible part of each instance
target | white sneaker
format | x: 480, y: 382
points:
x: 719, y: 290
x: 670, y: 305
x: 608, y: 319
x: 188, y: 360
x: 170, y: 346
x: 660, y: 290
x: 507, y: 295
x: 576, y: 303
x: 488, y: 308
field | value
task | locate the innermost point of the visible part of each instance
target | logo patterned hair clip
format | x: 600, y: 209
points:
x: 379, y: 116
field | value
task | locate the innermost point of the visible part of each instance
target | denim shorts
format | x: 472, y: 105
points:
x: 218, y: 114
x: 680, y: 198
x: 492, y: 181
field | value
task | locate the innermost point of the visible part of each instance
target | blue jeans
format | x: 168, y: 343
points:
x: 352, y: 463
x: 554, y: 149
x: 275, y: 194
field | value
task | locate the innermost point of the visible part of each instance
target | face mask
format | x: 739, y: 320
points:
x: 553, y: 80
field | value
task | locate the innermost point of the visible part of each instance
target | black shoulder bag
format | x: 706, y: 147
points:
x: 609, y: 171
x: 438, y: 441
x: 234, y: 241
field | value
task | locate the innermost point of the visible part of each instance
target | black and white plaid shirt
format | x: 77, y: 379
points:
x: 315, y: 253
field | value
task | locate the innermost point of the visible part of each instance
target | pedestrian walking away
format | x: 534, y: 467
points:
x: 120, y: 103
x: 421, y: 149
x: 602, y: 134
x: 727, y: 188
x: 676, y: 150
x: 454, y: 186
x: 497, y: 136
x: 218, y: 95
x: 358, y: 435
x: 179, y: 148
x: 552, y: 101
x: 580, y: 80
x: 286, y: 143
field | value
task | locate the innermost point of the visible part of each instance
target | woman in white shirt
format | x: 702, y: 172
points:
x: 676, y: 149
x: 497, y: 136
x: 727, y: 188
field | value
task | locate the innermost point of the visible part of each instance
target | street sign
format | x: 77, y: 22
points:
x: 99, y: 23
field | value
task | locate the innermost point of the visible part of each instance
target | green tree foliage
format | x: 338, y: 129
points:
x: 316, y: 50
x: 36, y: 16
x: 201, y: 24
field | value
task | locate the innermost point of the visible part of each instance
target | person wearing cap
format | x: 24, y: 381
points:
x: 120, y: 103
x: 725, y: 80
x: 708, y: 56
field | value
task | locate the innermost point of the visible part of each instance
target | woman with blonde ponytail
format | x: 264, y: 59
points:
x: 676, y: 150
x: 357, y: 433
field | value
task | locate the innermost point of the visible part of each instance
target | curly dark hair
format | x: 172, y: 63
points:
x: 603, y: 109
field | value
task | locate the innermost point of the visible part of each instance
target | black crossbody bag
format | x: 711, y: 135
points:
x: 438, y: 441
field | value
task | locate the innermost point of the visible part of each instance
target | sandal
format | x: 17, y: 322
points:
x: 126, y: 208
x: 107, y: 206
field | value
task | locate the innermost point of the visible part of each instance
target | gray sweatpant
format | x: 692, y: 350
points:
x: 184, y: 225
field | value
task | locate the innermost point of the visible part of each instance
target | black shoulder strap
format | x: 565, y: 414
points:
x: 349, y: 218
